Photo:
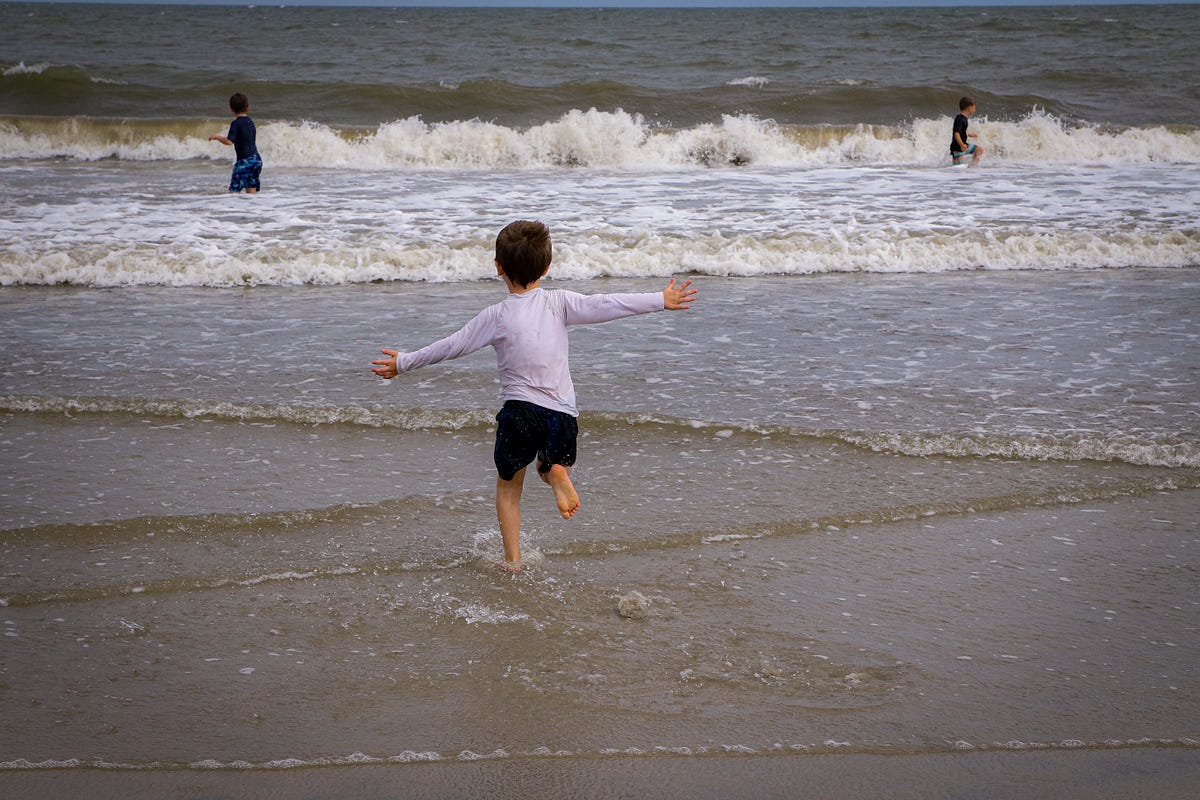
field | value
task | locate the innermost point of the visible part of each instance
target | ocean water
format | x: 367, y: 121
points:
x: 726, y: 142
x: 919, y: 473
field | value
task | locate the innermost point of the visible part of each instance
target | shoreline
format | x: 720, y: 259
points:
x: 1162, y: 773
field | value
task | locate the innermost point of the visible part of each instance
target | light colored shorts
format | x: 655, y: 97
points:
x: 958, y: 154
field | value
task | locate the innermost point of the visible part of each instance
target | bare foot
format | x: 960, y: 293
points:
x: 564, y: 491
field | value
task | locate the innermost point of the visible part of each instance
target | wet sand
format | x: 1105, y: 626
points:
x: 862, y: 582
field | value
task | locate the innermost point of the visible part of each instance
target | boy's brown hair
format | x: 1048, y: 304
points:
x: 965, y: 103
x: 523, y: 251
x: 239, y: 103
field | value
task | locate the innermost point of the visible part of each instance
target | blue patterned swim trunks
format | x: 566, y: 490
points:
x: 245, y: 174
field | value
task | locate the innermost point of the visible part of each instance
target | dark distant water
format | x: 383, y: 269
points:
x: 677, y: 68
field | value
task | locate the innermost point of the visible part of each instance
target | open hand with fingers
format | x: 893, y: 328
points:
x: 676, y: 298
x: 386, y: 367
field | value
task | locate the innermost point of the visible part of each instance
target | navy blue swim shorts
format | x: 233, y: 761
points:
x: 245, y: 174
x: 527, y: 431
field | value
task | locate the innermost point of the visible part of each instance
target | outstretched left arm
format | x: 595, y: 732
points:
x: 589, y: 309
x: 677, y: 298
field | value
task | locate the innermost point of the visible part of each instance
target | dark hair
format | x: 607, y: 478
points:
x: 523, y: 251
x: 965, y: 103
x: 239, y: 103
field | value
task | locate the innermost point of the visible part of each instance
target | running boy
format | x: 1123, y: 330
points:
x: 528, y: 330
x: 242, y: 136
x: 958, y: 140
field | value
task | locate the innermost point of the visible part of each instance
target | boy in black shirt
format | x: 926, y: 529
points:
x: 958, y: 141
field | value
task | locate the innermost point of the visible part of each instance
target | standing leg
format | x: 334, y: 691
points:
x: 508, y: 509
x: 255, y: 170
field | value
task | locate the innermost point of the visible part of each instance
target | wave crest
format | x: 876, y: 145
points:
x: 640, y: 254
x: 593, y: 138
x: 412, y: 419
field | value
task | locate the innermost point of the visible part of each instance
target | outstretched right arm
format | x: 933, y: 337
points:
x: 386, y: 366
x: 477, y: 333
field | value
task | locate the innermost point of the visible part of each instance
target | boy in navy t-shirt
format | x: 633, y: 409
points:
x: 242, y: 135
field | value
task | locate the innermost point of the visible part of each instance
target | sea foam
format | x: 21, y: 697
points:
x: 654, y: 751
x: 188, y: 262
x: 422, y: 202
x: 593, y: 138
x: 1166, y: 452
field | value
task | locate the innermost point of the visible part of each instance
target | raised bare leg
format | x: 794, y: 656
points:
x: 559, y: 478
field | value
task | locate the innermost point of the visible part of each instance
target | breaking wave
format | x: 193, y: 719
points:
x: 331, y: 257
x: 596, y: 139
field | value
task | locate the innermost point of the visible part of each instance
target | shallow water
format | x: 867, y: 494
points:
x: 914, y: 515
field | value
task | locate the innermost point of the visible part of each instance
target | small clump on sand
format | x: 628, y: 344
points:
x: 634, y: 605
